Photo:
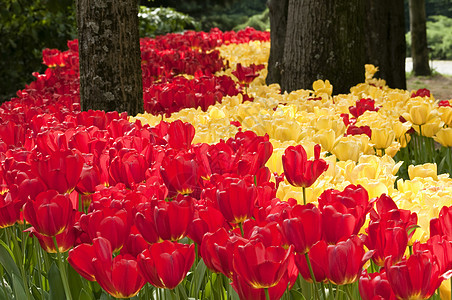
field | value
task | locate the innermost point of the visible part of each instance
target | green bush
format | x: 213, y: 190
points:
x: 27, y: 27
x: 260, y: 22
x: 439, y: 38
x: 163, y: 20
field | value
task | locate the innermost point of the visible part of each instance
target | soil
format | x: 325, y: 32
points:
x: 439, y: 85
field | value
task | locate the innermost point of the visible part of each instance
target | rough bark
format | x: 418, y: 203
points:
x: 109, y: 51
x: 278, y: 26
x: 418, y: 28
x: 385, y: 40
x: 324, y: 40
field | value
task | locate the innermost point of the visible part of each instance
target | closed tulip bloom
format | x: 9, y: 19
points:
x: 346, y: 259
x: 386, y: 241
x: 260, y: 266
x: 444, y: 137
x: 300, y: 171
x: 50, y: 213
x: 236, y: 199
x: 166, y: 220
x: 217, y: 250
x: 374, y: 286
x: 441, y: 247
x: 383, y: 137
x: 417, y: 277
x: 65, y: 240
x: 319, y: 262
x: 304, y: 229
x: 165, y: 264
x: 9, y: 210
x: 118, y: 276
x: 207, y: 219
x: 128, y: 167
x: 112, y: 224
x: 180, y: 134
x: 180, y: 174
x: 59, y: 171
x: 443, y: 224
x: 420, y: 112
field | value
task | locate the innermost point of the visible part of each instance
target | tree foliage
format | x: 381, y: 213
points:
x: 27, y: 27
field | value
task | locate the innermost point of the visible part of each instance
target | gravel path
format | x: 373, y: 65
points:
x: 443, y: 67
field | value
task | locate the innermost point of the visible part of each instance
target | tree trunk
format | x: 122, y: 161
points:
x: 418, y: 28
x: 324, y: 40
x: 385, y: 40
x: 110, y: 59
x: 278, y: 26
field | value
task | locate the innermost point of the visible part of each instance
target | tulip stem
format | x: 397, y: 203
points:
x: 241, y: 229
x: 267, y: 294
x: 322, y: 287
x: 347, y: 290
x: 304, y: 195
x: 62, y: 269
x: 312, y: 275
x: 20, y: 261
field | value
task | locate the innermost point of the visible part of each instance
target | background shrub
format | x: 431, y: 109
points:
x: 439, y: 38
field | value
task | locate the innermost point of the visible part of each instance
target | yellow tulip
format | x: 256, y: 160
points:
x: 423, y: 171
x: 348, y: 148
x: 326, y: 138
x: 322, y: 87
x: 445, y: 112
x: 383, y: 137
x: 444, y: 137
x: 420, y: 113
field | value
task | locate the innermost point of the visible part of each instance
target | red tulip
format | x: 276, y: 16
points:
x: 118, y: 276
x: 217, y: 250
x: 346, y: 259
x: 236, y: 199
x: 59, y: 171
x: 319, y: 262
x: 300, y: 171
x: 362, y: 106
x: 356, y: 130
x: 180, y: 134
x: 375, y: 286
x: 165, y: 264
x: 443, y: 224
x: 246, y: 75
x: 260, y: 266
x: 304, y: 228
x: 337, y: 225
x: 112, y: 224
x: 180, y: 173
x: 386, y: 241
x: 206, y: 219
x: 166, y: 220
x: 9, y: 209
x: 65, y: 240
x: 417, y: 277
x: 246, y: 291
x: 50, y: 213
x: 441, y: 248
x: 128, y: 167
x: 353, y: 200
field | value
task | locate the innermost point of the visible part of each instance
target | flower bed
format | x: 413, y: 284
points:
x: 228, y: 189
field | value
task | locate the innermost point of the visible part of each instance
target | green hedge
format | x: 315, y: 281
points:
x: 439, y: 38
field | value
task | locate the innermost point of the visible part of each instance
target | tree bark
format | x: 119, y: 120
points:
x: 418, y: 28
x: 385, y: 40
x: 278, y: 26
x: 110, y: 59
x: 324, y: 40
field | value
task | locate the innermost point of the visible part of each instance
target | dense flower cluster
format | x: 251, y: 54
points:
x: 140, y: 200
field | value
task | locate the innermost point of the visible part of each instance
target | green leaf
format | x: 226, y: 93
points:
x: 55, y: 283
x: 19, y: 291
x: 84, y: 295
x: 75, y: 282
x: 198, y: 275
x: 6, y: 259
x: 296, y: 295
x: 36, y: 292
